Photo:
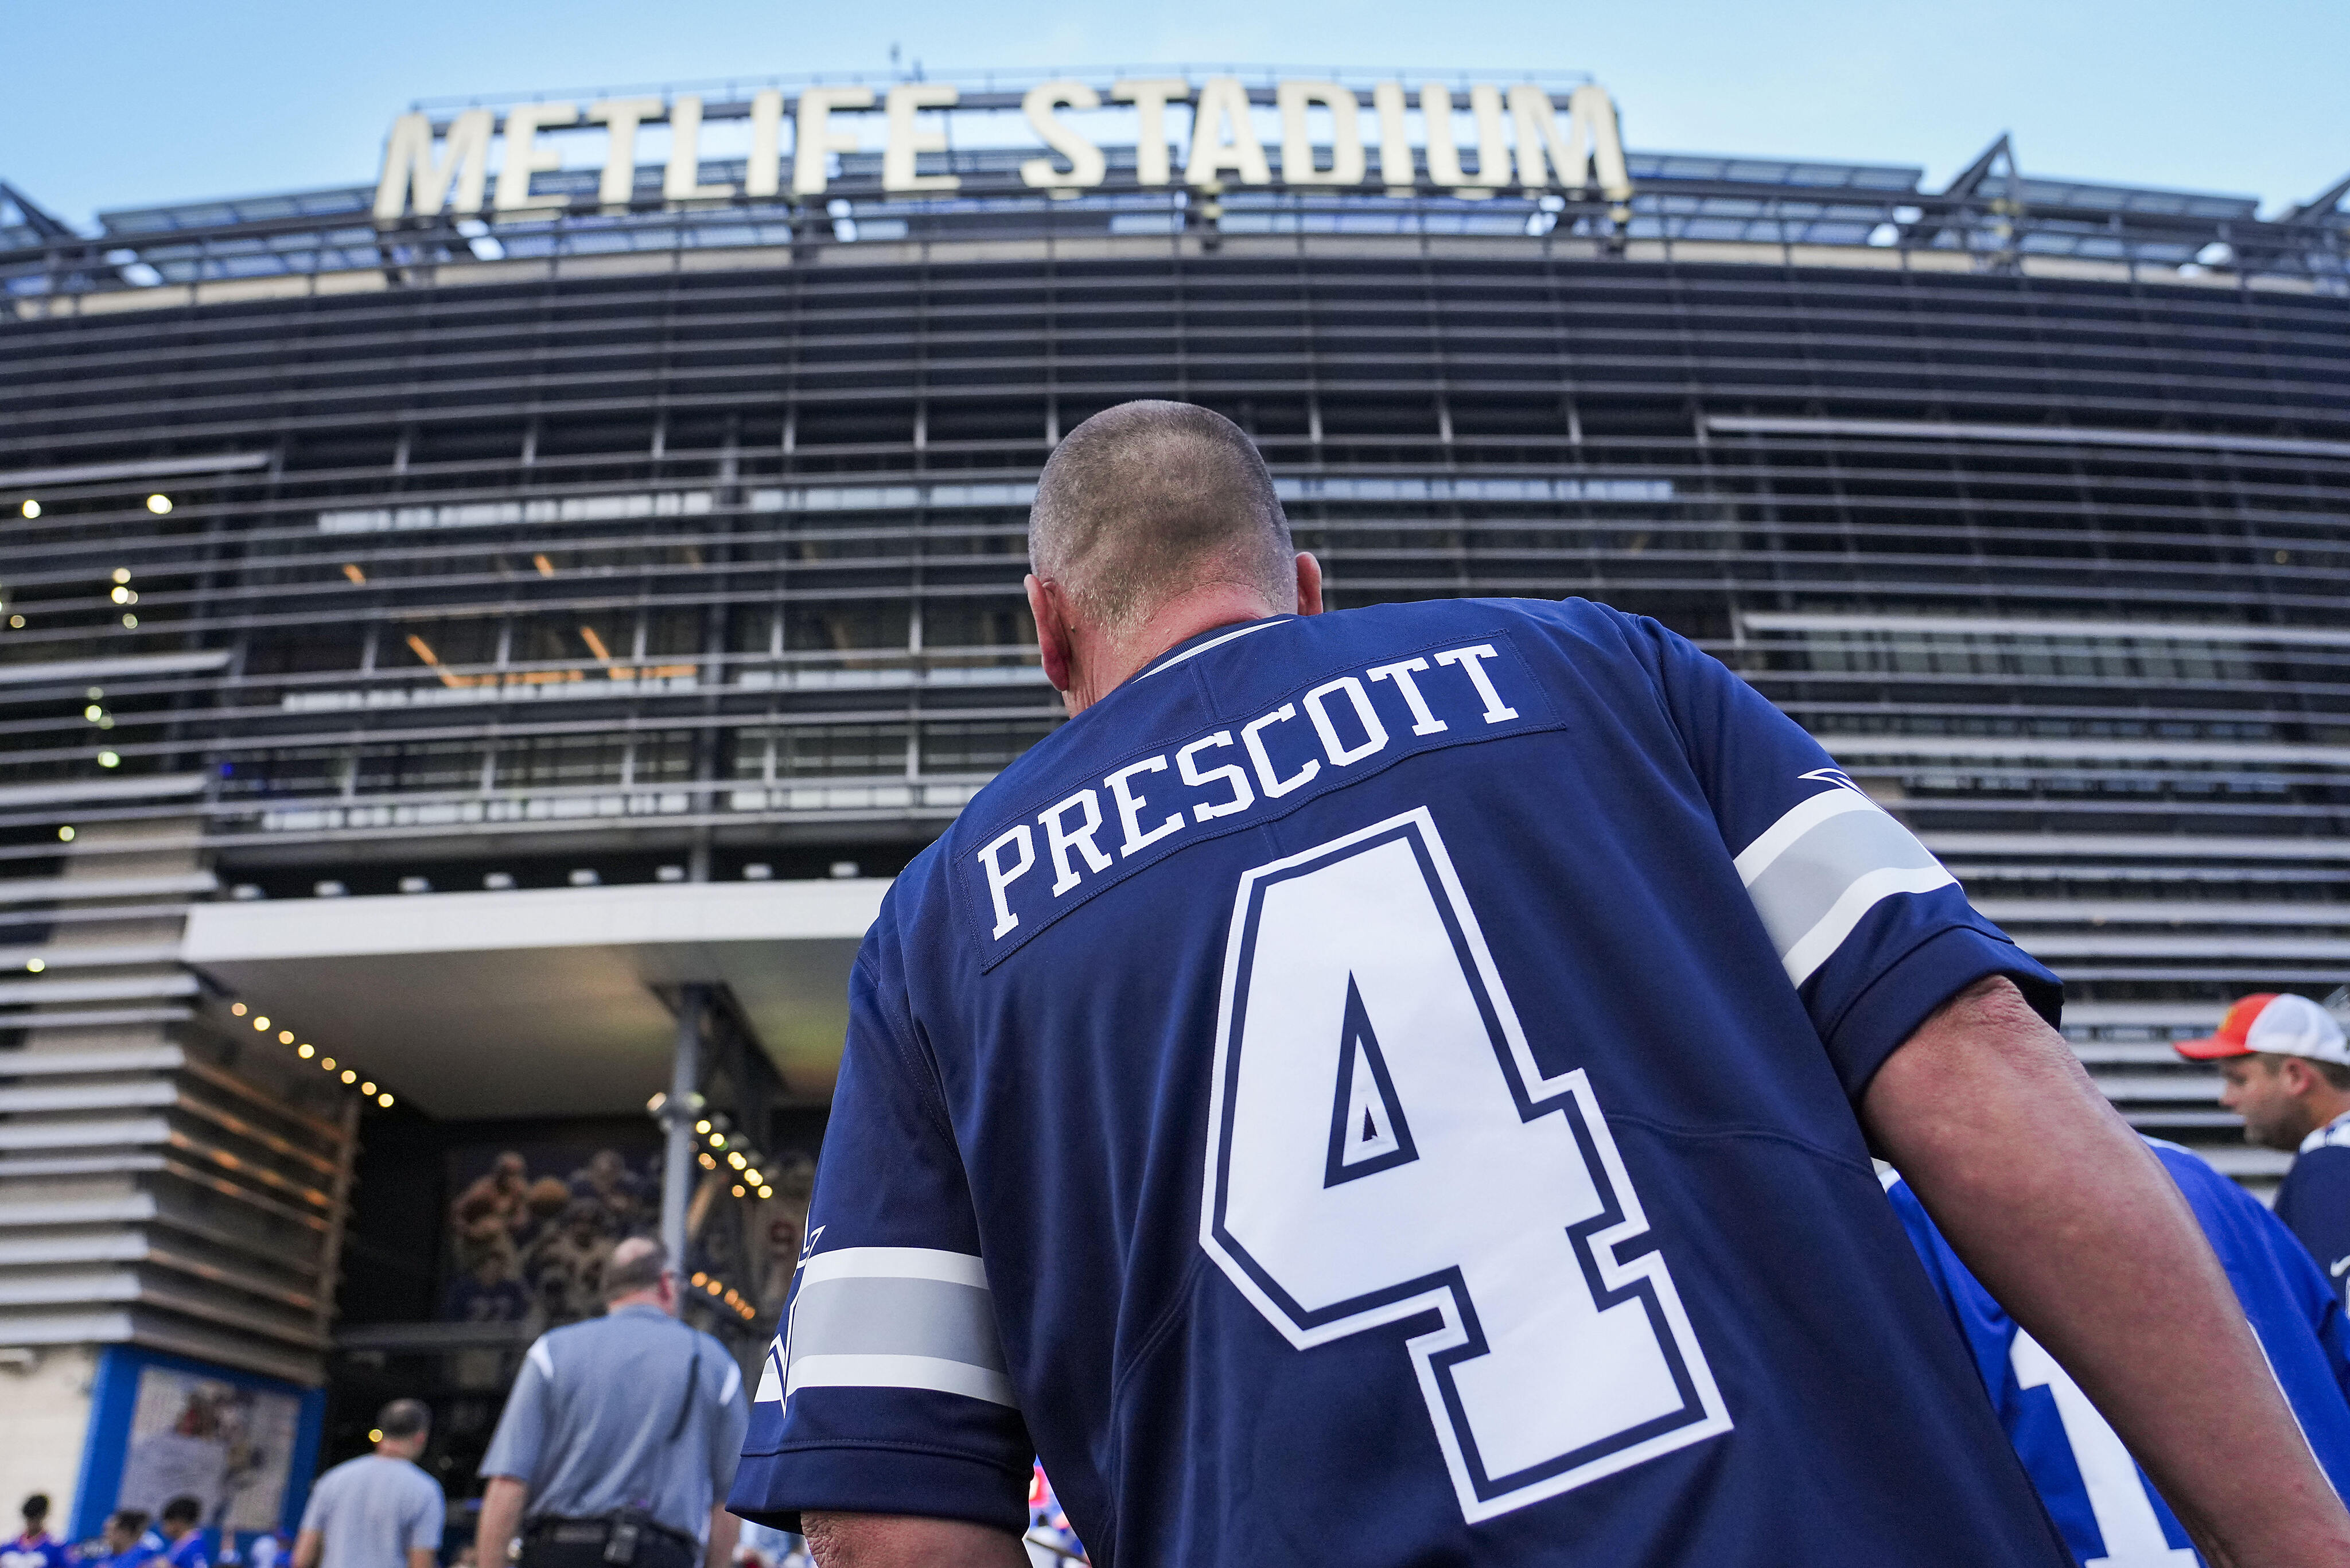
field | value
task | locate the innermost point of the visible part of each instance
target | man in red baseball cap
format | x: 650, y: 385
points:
x: 2287, y: 1067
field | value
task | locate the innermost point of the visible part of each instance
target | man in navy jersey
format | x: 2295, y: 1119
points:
x: 2286, y: 1067
x: 2097, y: 1493
x: 1397, y: 1086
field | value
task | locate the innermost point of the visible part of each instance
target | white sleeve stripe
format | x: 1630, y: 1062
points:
x: 734, y: 1384
x: 920, y: 1372
x: 1780, y: 836
x: 894, y: 1264
x: 540, y: 1358
x: 771, y: 1383
x: 1814, y: 948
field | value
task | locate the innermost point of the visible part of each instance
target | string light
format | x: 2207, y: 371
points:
x: 236, y: 1008
x: 261, y: 1024
x: 327, y: 1062
x: 306, y: 1051
x: 286, y: 1037
x: 384, y: 1100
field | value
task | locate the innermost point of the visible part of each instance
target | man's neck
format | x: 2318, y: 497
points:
x: 1112, y: 660
x: 2328, y: 1107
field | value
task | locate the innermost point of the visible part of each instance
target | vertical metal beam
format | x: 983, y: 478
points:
x: 684, y: 1083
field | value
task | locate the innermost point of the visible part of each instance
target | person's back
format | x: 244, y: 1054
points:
x: 619, y: 1437
x: 379, y: 1510
x: 1473, y: 858
x: 2099, y: 1498
x: 1386, y: 1087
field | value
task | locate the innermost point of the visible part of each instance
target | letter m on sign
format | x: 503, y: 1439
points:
x: 1591, y: 144
x: 410, y: 170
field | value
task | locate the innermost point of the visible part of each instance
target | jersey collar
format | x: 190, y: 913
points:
x: 1214, y: 637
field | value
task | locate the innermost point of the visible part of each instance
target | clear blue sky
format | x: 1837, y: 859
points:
x: 112, y: 103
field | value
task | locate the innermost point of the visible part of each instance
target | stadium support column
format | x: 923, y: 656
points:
x: 684, y: 1086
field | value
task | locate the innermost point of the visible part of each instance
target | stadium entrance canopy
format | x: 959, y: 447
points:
x: 556, y: 1001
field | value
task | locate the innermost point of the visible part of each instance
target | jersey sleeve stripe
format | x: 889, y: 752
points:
x: 921, y: 1372
x: 929, y: 1318
x: 894, y: 1262
x: 1817, y: 870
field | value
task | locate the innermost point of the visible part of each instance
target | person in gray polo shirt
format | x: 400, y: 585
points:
x: 378, y: 1510
x: 619, y: 1440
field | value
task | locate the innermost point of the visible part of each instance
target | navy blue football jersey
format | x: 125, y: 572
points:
x: 1378, y: 1088
x: 2315, y: 1202
x: 2108, y: 1509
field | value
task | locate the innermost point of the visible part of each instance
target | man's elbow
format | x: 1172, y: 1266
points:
x: 902, y: 1541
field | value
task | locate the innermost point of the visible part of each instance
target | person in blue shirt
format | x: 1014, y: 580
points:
x: 35, y: 1547
x: 127, y: 1541
x: 2287, y: 1069
x: 1397, y: 1086
x: 181, y: 1525
x: 2096, y: 1492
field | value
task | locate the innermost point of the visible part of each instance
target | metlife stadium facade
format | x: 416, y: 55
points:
x: 498, y: 628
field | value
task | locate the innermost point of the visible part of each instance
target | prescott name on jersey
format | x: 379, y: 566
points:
x: 2108, y: 1509
x: 1378, y: 1088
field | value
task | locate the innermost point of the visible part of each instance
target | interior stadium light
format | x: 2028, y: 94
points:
x: 701, y: 1126
x: 123, y: 595
x: 718, y: 1141
x: 766, y: 1193
x: 375, y: 1434
x: 350, y: 1076
x: 653, y: 1107
x: 708, y: 1163
x: 131, y: 623
x: 713, y: 1287
x: 699, y: 1279
x: 286, y: 1037
x: 736, y: 1160
x: 35, y: 966
x: 367, y: 1089
x: 327, y: 1062
x: 752, y: 1176
x: 262, y: 1025
x: 738, y: 1190
x: 93, y: 712
x: 110, y: 759
x: 159, y: 505
x: 384, y: 1100
x: 66, y: 835
x: 121, y: 575
x: 306, y: 1051
x: 31, y: 508
x: 236, y: 1008
x: 16, y: 622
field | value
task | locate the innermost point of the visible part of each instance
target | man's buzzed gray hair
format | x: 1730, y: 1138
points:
x: 636, y: 1264
x: 1149, y: 498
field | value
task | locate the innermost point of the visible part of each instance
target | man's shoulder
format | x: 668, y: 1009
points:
x: 2332, y: 1140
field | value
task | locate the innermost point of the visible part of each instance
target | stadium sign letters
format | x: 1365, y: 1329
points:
x: 1329, y: 135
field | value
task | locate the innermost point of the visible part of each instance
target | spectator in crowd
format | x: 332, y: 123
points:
x: 35, y: 1547
x: 2287, y: 1070
x: 378, y: 1510
x: 620, y: 1438
x: 126, y: 1539
x: 2102, y: 1502
x: 181, y: 1529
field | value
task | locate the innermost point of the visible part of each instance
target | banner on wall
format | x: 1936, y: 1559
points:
x: 163, y: 1427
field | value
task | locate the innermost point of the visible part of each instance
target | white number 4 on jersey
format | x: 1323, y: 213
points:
x: 1382, y: 1146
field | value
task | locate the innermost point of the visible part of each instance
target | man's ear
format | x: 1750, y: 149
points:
x: 2299, y: 1076
x: 1052, y: 628
x: 1309, y: 584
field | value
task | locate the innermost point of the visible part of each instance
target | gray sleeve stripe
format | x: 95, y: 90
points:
x: 868, y: 1315
x: 1828, y: 864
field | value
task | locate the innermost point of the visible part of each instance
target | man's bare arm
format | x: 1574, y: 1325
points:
x: 501, y: 1505
x: 897, y: 1541
x: 309, y: 1545
x: 724, y: 1531
x: 2073, y: 1224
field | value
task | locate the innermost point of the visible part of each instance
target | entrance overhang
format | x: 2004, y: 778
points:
x: 543, y: 1002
